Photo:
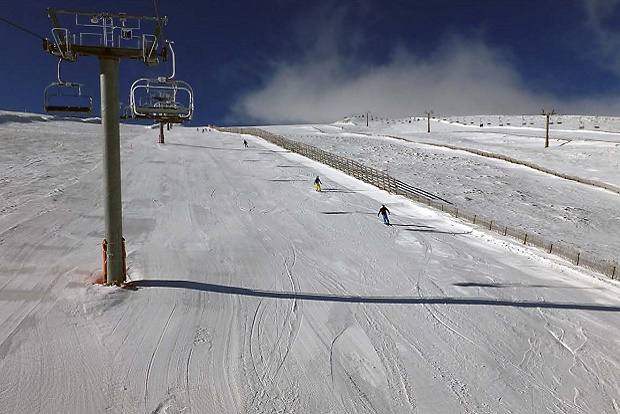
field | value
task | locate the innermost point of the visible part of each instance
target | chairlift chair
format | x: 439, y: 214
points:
x: 67, y: 97
x: 163, y: 99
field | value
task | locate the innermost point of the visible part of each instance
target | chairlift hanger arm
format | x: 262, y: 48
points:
x: 169, y: 43
x: 59, y: 79
x: 63, y: 83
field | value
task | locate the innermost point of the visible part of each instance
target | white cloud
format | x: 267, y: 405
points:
x: 463, y: 76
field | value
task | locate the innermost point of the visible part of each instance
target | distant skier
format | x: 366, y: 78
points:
x: 317, y: 183
x: 384, y: 212
x: 245, y: 143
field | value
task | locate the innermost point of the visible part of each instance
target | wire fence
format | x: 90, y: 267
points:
x: 384, y: 181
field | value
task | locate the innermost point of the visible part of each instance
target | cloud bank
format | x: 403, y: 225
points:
x: 463, y: 76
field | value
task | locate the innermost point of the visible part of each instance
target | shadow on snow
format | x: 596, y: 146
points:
x: 336, y: 190
x: 388, y: 300
x: 511, y: 285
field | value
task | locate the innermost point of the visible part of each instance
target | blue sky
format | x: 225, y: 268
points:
x: 285, y: 61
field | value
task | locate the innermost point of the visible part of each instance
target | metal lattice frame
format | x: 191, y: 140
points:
x: 113, y: 35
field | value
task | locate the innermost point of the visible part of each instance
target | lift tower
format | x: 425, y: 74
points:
x: 109, y: 37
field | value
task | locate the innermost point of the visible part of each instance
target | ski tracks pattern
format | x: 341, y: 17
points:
x: 268, y: 354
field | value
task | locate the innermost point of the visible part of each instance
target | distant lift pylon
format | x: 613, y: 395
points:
x: 67, y: 97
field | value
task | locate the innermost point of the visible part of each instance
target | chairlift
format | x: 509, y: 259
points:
x: 163, y: 99
x: 67, y: 97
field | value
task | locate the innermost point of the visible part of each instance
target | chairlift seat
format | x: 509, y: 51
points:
x: 72, y: 109
x: 161, y: 111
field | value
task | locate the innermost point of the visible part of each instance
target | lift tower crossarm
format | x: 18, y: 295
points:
x: 53, y: 15
x: 109, y: 51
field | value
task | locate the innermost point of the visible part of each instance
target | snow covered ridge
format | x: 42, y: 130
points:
x: 557, y: 122
x: 385, y: 182
x: 25, y: 117
x: 6, y: 117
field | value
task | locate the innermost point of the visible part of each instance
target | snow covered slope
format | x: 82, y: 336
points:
x: 581, y: 215
x: 254, y: 293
